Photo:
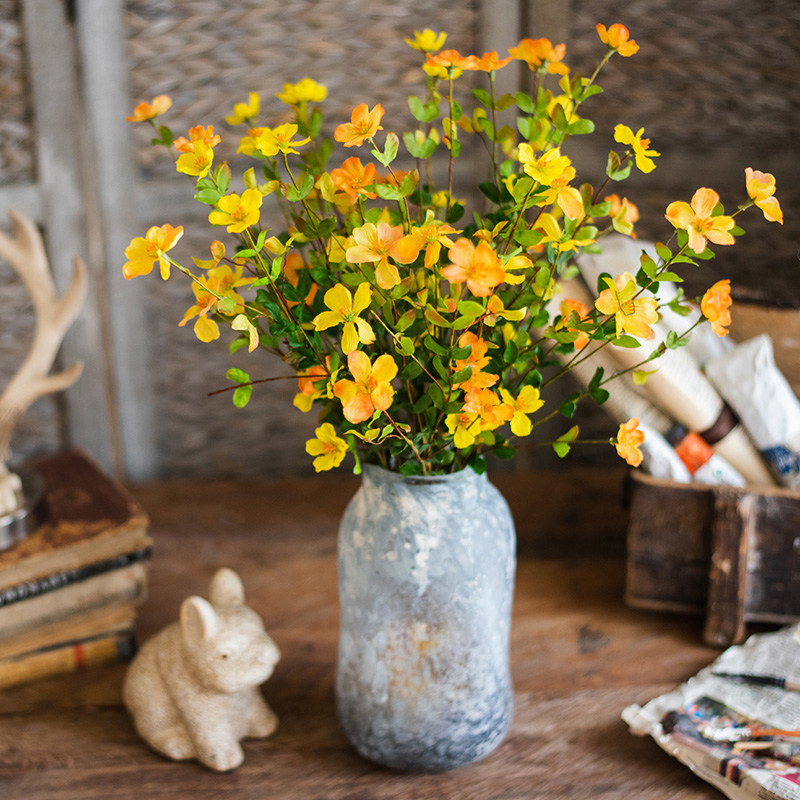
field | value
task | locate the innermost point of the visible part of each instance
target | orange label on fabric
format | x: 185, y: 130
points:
x: 694, y: 452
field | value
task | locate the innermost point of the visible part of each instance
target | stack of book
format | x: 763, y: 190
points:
x: 69, y: 592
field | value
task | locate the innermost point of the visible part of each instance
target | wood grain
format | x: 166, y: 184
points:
x: 579, y: 656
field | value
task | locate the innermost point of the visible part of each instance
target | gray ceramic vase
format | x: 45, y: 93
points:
x: 426, y: 577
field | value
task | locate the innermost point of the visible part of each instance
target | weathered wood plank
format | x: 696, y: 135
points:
x: 51, y: 58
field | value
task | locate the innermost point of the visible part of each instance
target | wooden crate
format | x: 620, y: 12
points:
x: 732, y: 554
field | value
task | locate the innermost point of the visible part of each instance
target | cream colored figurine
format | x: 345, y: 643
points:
x: 193, y: 688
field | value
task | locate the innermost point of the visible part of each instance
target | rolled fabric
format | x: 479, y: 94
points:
x: 748, y: 378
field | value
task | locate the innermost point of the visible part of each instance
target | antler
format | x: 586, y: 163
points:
x: 26, y: 254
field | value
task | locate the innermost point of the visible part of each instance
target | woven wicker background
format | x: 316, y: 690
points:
x: 16, y: 128
x: 712, y: 77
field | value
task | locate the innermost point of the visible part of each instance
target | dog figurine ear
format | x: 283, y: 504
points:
x: 227, y: 589
x: 199, y: 621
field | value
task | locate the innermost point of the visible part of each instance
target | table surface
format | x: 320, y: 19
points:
x: 579, y: 656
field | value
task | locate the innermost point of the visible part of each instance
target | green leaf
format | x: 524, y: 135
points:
x: 237, y: 375
x: 491, y: 191
x: 483, y: 97
x: 410, y: 371
x: 511, y: 353
x: 405, y: 346
x: 506, y: 452
x: 241, y: 396
x: 649, y: 266
x: 455, y: 212
x: 640, y: 376
x: 434, y: 346
x: 528, y: 238
x: 561, y: 448
x: 210, y: 196
x: 435, y: 393
x: 626, y: 341
x: 580, y: 127
x: 664, y: 253
x: 670, y: 277
x: 389, y: 151
x: 590, y: 90
x: 238, y: 344
x: 293, y: 194
x: 423, y: 112
x: 599, y: 396
x: 614, y: 168
x: 525, y: 103
x: 432, y: 315
x: 462, y: 375
x: 223, y: 176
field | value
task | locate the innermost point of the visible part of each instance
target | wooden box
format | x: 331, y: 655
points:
x: 732, y: 554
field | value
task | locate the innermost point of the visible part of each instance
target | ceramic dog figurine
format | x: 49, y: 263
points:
x: 193, y: 688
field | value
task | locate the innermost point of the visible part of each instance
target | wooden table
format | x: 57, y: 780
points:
x: 579, y: 657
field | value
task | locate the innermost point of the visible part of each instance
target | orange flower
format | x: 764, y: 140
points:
x: 379, y: 243
x: 452, y: 58
x: 143, y: 251
x: 567, y: 309
x: 629, y: 439
x: 307, y: 381
x: 145, y: 111
x: 716, y: 304
x: 197, y: 134
x: 477, y: 359
x: 364, y: 124
x: 353, y: 178
x: 697, y: 221
x: 371, y: 390
x: 632, y: 314
x: 479, y: 266
x: 489, y: 62
x: 760, y: 188
x: 617, y: 37
x: 539, y: 54
x: 488, y: 407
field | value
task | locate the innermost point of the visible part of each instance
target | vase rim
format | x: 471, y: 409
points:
x: 376, y: 471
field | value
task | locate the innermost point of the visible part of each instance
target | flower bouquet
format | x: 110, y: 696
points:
x: 427, y: 337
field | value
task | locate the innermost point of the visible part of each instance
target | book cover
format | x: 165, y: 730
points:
x: 71, y: 656
x: 120, y: 586
x: 90, y: 518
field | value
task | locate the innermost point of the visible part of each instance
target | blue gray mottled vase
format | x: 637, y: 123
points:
x: 426, y: 576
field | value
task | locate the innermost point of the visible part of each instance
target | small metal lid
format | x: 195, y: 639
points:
x: 20, y: 524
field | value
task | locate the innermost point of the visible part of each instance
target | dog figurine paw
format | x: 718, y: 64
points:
x: 193, y: 688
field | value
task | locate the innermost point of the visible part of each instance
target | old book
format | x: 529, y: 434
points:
x: 84, y: 625
x: 119, y: 645
x: 90, y: 519
x: 57, y: 580
x: 118, y: 587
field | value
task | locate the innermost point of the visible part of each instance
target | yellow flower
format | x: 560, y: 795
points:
x: 145, y: 111
x: 527, y: 402
x: 197, y: 162
x: 328, y: 448
x: 143, y: 251
x: 427, y: 41
x: 698, y: 222
x: 540, y: 55
x: 271, y: 141
x: 716, y: 305
x: 379, y: 243
x: 244, y: 112
x: 215, y: 293
x: 307, y: 91
x: 432, y: 235
x: 633, y: 315
x: 644, y: 157
x: 364, y: 124
x: 629, y: 439
x: 238, y: 213
x: 760, y: 188
x: 566, y: 197
x: 617, y: 37
x: 547, y: 168
x: 345, y: 309
x: 464, y: 426
x: 371, y: 391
